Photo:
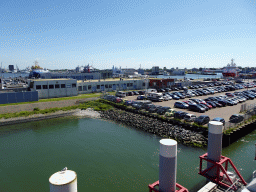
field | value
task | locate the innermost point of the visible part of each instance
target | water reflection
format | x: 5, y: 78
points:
x: 42, y: 126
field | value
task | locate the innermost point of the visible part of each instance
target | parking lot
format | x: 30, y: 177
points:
x: 224, y: 112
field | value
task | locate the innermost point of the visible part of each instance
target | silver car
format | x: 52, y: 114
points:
x: 189, y: 117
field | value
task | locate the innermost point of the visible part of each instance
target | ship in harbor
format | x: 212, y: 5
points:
x: 208, y: 72
x: 88, y: 72
x: 231, y: 70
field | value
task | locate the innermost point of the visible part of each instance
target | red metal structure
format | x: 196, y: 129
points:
x: 152, y: 187
x: 160, y: 83
x: 221, y: 171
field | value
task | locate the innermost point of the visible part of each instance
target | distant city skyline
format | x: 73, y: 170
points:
x: 65, y: 34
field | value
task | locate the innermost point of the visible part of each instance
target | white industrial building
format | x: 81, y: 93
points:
x: 50, y: 88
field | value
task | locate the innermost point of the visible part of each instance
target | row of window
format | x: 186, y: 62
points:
x: 56, y: 86
x: 84, y: 88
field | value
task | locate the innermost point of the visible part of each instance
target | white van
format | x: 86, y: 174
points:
x: 155, y: 96
x: 150, y: 91
x: 120, y: 94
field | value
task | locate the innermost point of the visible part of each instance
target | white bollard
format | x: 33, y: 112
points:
x: 215, y: 130
x: 167, y: 165
x: 63, y: 181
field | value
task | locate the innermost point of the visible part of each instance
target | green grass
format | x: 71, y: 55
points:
x: 96, y: 105
x: 82, y: 96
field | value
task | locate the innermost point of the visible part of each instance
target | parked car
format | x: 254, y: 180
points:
x: 175, y: 96
x: 170, y: 113
x: 181, y: 105
x: 141, y: 97
x: 202, y: 120
x: 129, y: 93
x: 189, y: 117
x: 196, y: 108
x: 128, y: 102
x: 162, y: 110
x: 180, y: 114
x: 147, y: 106
x: 203, y: 106
x: 212, y: 104
x: 120, y: 94
x: 236, y: 118
x: 230, y: 94
x: 220, y: 119
x: 118, y: 100
x: 154, y: 108
x: 110, y: 98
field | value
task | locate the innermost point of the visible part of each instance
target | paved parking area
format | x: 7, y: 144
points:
x: 224, y: 112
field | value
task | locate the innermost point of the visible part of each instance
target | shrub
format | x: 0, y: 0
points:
x: 36, y: 109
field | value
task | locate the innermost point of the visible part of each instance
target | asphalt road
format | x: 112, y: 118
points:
x: 224, y: 112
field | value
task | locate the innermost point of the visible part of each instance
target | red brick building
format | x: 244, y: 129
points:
x: 160, y: 83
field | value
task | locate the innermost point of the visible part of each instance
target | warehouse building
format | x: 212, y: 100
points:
x: 50, y: 88
x: 117, y: 84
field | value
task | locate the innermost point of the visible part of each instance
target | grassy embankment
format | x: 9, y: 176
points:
x: 96, y: 105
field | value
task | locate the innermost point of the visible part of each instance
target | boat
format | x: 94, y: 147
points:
x: 231, y: 70
x: 165, y: 73
x: 207, y: 72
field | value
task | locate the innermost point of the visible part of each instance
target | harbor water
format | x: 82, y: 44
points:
x: 106, y: 156
x: 192, y: 76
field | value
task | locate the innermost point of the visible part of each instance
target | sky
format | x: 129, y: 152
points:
x: 62, y: 34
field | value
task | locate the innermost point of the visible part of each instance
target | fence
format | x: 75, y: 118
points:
x: 249, y: 111
x: 17, y: 97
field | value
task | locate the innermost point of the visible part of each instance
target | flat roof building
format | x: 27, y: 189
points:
x: 115, y: 84
x: 50, y: 88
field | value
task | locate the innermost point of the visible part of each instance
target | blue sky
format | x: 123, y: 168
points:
x: 128, y: 33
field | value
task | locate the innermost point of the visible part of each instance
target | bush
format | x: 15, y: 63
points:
x: 36, y: 109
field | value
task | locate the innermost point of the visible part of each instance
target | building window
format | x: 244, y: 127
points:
x: 38, y: 86
x: 85, y: 88
x: 45, y: 86
x: 131, y: 84
x: 57, y: 86
x: 110, y: 86
x: 128, y: 84
x: 51, y: 86
x: 106, y: 86
x: 79, y: 88
x: 143, y: 84
x: 63, y: 86
x: 89, y: 87
x: 73, y: 85
x: 98, y: 86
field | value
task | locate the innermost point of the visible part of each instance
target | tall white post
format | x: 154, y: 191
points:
x: 215, y: 130
x: 63, y: 181
x: 167, y: 165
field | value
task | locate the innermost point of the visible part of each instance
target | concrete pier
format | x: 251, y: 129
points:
x: 167, y: 165
x: 215, y: 130
x: 63, y: 181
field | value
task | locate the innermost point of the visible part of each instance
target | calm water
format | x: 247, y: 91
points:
x: 13, y: 75
x: 193, y: 76
x: 106, y: 156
